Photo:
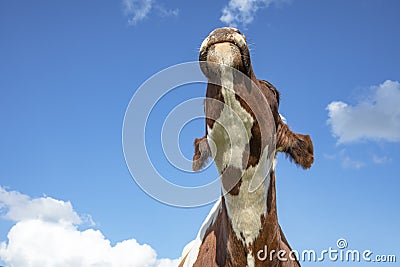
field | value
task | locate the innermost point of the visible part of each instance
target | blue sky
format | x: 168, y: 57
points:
x: 69, y: 69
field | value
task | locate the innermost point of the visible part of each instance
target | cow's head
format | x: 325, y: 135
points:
x: 228, y: 47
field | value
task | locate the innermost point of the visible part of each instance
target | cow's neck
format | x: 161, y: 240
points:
x: 250, y: 210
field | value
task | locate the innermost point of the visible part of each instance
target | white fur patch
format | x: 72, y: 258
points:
x: 250, y: 259
x: 273, y: 167
x: 283, y: 118
x: 246, y: 208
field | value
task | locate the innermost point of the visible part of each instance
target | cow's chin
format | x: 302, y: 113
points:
x: 223, y: 57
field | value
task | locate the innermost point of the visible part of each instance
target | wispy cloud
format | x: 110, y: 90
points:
x: 46, y: 234
x: 350, y: 163
x: 138, y: 10
x: 346, y: 161
x: 243, y: 11
x: 164, y: 12
x: 380, y: 159
x: 377, y: 117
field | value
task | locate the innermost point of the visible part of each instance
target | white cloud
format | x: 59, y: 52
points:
x: 377, y: 117
x: 46, y: 235
x: 138, y: 10
x: 17, y: 207
x: 243, y: 11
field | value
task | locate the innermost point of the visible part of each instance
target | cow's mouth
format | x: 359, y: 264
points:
x: 228, y: 47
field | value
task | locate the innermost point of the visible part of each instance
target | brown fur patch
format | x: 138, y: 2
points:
x: 298, y: 147
x: 220, y: 247
x: 231, y: 180
x: 213, y: 108
x: 201, y: 153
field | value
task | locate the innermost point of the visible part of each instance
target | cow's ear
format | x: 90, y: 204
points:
x: 202, y: 153
x: 298, y: 147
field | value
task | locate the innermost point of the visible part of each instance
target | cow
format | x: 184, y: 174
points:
x: 244, y: 133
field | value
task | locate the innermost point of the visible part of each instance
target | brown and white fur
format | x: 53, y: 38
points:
x: 243, y: 222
